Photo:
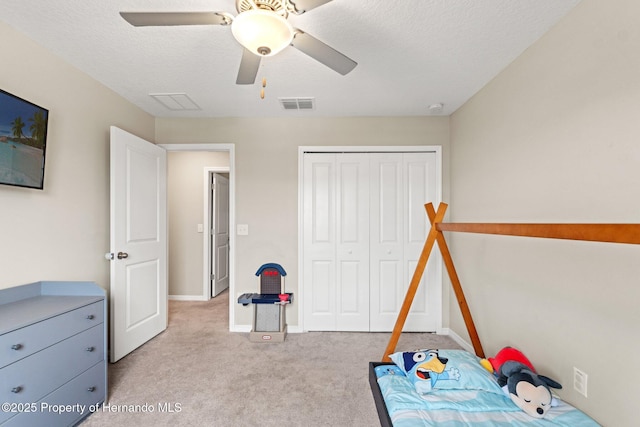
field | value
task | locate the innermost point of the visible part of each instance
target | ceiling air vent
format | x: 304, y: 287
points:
x: 175, y: 101
x: 297, y: 103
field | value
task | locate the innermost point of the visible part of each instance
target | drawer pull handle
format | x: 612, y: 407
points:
x: 90, y: 349
x: 91, y: 317
x: 16, y: 347
x: 16, y: 389
x: 91, y: 389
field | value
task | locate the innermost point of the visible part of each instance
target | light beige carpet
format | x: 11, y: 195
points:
x: 197, y: 373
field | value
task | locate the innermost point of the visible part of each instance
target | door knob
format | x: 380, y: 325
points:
x: 123, y: 255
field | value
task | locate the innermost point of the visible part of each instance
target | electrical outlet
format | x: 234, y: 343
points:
x: 580, y: 381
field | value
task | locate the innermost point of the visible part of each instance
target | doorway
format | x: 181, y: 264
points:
x: 203, y: 292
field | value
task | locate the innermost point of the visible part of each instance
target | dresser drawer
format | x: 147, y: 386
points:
x: 22, y: 342
x: 32, y: 378
x: 83, y: 393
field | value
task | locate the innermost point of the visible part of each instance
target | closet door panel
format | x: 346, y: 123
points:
x: 322, y: 277
x: 352, y: 250
x: 417, y: 174
x: 387, y: 248
x: 322, y: 201
x: 319, y: 249
x: 388, y: 272
x: 420, y: 188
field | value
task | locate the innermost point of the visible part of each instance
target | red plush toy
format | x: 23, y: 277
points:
x: 509, y: 354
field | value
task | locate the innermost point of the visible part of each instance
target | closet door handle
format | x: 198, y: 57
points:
x: 90, y: 349
x: 16, y: 347
x: 91, y: 389
x: 90, y: 317
x: 16, y: 390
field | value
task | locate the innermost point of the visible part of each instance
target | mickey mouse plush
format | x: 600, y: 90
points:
x: 517, y: 376
x: 527, y: 389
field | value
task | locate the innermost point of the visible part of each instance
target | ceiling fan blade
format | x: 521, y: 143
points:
x: 248, y: 68
x: 302, y: 6
x: 145, y: 19
x: 323, y: 53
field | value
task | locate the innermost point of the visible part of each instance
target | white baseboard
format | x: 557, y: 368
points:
x: 187, y: 298
x: 298, y: 330
x: 458, y: 339
x: 247, y: 328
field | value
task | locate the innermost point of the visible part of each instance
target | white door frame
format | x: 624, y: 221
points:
x: 437, y: 149
x: 230, y: 148
x: 208, y: 263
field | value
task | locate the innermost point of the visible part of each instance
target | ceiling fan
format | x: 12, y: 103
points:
x: 261, y: 27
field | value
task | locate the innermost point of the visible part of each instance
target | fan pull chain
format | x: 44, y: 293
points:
x: 264, y: 84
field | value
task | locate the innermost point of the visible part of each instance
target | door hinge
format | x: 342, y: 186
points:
x: 213, y: 277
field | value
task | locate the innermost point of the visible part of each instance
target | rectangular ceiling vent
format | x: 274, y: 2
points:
x: 175, y: 101
x: 297, y: 103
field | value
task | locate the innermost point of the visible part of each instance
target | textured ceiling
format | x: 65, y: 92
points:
x: 410, y: 54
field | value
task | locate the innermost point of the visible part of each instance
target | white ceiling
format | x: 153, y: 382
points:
x: 410, y: 53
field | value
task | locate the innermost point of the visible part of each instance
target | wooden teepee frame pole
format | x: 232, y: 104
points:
x: 434, y: 235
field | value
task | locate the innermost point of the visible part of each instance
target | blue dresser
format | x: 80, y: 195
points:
x: 53, y: 369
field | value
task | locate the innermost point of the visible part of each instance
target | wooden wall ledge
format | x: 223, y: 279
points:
x: 612, y: 233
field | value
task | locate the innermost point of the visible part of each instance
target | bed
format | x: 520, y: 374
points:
x: 399, y: 405
x: 480, y: 401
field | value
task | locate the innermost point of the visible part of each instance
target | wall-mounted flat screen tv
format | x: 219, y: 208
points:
x: 23, y: 141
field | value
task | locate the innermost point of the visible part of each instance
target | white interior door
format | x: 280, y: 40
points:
x: 401, y: 183
x: 220, y: 233
x: 138, y: 242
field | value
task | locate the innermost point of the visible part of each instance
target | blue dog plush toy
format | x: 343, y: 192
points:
x: 530, y: 391
x: 425, y: 368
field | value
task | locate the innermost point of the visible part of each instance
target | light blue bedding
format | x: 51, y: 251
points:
x: 465, y: 408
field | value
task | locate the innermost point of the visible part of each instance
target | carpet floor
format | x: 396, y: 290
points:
x: 197, y: 373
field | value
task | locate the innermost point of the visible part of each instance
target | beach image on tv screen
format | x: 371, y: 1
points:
x: 23, y: 132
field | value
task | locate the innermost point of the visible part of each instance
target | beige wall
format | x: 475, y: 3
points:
x: 266, y: 173
x: 185, y: 188
x: 555, y: 138
x: 61, y: 233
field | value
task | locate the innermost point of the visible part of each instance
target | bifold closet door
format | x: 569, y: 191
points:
x: 336, y: 242
x: 364, y: 226
x: 401, y: 183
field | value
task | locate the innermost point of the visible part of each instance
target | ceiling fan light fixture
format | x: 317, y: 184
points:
x: 262, y: 32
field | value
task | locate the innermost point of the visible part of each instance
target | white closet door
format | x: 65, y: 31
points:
x: 352, y: 255
x: 336, y: 242
x: 401, y: 183
x: 364, y: 226
x: 319, y: 249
